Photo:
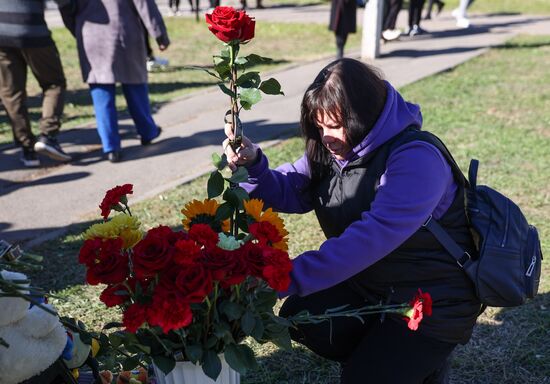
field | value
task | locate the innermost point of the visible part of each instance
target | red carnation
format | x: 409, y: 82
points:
x: 228, y: 25
x: 89, y: 251
x: 113, y: 198
x: 114, y: 295
x: 134, y: 316
x: 186, y: 252
x: 421, y: 305
x: 169, y: 312
x: 265, y: 232
x: 204, y: 235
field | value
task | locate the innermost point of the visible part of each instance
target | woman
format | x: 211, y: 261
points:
x: 373, y: 178
x: 111, y: 49
x: 343, y: 21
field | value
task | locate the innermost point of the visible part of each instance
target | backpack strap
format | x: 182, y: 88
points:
x: 461, y: 256
x: 472, y: 173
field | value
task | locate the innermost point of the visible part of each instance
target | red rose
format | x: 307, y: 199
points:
x: 113, y: 197
x: 110, y: 266
x: 114, y: 295
x: 228, y: 24
x: 89, y: 251
x: 154, y: 252
x: 134, y: 316
x: 204, y: 235
x: 168, y: 312
x: 265, y: 232
x: 253, y: 257
x: 194, y: 282
x: 227, y: 267
x: 186, y: 252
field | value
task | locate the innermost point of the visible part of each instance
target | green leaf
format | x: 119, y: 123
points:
x: 197, y: 68
x: 220, y: 162
x: 193, y: 352
x: 215, y: 184
x: 225, y: 52
x: 235, y: 196
x: 240, y: 358
x: 224, y: 211
x: 223, y: 69
x: 258, y: 331
x: 165, y: 364
x: 241, y: 61
x: 211, y: 365
x: 211, y: 342
x: 226, y: 90
x: 254, y: 59
x: 249, y: 97
x: 231, y: 309
x: 130, y: 363
x: 116, y: 339
x: 248, y: 322
x: 221, y: 328
x: 271, y: 87
x: 113, y: 324
x: 282, y: 339
x: 239, y: 176
x: 249, y: 80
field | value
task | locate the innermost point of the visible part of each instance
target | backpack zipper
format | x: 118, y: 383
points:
x: 531, y: 267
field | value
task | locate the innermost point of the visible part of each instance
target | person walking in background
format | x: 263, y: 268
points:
x: 174, y: 7
x: 111, y: 50
x: 460, y: 13
x: 343, y: 21
x: 439, y: 4
x: 25, y: 41
x: 415, y: 15
x: 391, y: 10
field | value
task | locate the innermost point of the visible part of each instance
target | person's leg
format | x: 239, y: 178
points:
x: 417, y: 15
x: 395, y: 8
x: 103, y: 97
x: 13, y: 80
x: 46, y: 67
x: 429, y: 9
x: 390, y: 353
x: 340, y: 43
x: 137, y: 99
x: 333, y: 341
x: 462, y: 8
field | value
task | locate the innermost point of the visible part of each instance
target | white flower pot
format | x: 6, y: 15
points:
x: 186, y: 372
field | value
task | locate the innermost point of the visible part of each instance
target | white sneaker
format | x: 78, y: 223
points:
x: 156, y: 63
x: 391, y: 34
x: 462, y: 22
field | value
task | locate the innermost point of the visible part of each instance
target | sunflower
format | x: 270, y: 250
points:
x: 253, y: 208
x: 123, y: 226
x: 203, y: 212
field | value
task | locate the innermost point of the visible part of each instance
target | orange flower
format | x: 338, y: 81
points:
x: 202, y: 212
x: 253, y: 208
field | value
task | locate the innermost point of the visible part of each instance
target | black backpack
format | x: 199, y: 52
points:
x: 506, y: 271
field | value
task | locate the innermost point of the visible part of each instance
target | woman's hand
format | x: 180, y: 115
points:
x: 245, y: 154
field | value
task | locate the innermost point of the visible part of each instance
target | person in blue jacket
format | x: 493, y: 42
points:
x: 373, y: 178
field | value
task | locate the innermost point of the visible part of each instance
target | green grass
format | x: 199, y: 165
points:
x: 192, y: 44
x: 494, y: 108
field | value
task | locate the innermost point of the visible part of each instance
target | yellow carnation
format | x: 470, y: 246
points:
x: 123, y: 226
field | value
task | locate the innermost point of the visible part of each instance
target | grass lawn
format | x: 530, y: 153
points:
x: 192, y: 44
x: 494, y: 108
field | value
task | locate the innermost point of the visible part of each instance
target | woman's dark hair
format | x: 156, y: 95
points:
x: 353, y: 93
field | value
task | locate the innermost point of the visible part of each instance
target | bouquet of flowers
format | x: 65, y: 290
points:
x: 194, y: 293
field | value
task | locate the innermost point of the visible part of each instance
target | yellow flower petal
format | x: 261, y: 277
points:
x: 123, y: 226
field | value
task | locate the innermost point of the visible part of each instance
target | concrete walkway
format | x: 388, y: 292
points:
x: 36, y: 205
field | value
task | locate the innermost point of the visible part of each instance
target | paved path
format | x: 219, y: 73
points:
x: 39, y: 204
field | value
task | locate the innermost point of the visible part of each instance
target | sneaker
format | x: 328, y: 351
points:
x: 462, y: 22
x: 416, y: 30
x: 156, y: 63
x: 29, y: 158
x: 149, y: 141
x: 391, y: 34
x: 49, y: 146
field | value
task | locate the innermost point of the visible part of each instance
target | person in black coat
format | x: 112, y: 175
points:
x: 343, y: 21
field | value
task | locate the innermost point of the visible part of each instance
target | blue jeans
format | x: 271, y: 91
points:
x: 137, y: 99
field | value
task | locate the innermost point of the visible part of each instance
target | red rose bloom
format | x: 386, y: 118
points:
x: 277, y: 270
x: 110, y: 266
x: 134, y: 316
x: 204, y: 235
x: 227, y: 24
x: 154, y: 252
x: 194, y: 283
x: 113, y: 197
x: 227, y: 267
x: 253, y: 258
x: 114, y: 295
x: 89, y: 251
x: 186, y: 252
